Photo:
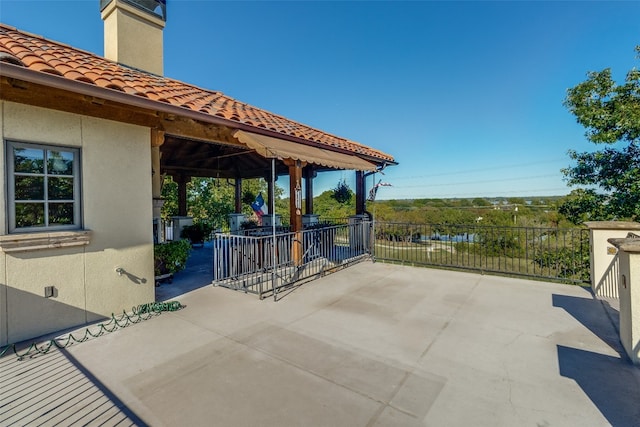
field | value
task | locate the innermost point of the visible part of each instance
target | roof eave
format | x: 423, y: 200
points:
x: 82, y: 88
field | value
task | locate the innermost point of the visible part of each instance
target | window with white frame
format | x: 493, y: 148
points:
x: 43, y: 187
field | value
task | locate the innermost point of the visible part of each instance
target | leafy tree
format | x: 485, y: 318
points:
x: 610, y: 113
x: 326, y: 206
x: 211, y: 200
x: 478, y: 201
x: 570, y: 261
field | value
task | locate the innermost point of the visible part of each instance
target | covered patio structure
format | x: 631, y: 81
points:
x: 187, y: 148
x: 245, y: 148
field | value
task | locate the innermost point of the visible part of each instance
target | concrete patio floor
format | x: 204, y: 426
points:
x: 372, y: 345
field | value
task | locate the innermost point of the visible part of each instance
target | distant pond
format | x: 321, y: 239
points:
x: 464, y: 237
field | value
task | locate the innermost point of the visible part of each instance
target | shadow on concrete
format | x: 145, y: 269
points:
x: 55, y: 389
x: 197, y: 274
x: 611, y: 383
x: 121, y: 411
x: 591, y: 313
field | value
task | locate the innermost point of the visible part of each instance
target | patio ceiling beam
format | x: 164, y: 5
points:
x: 199, y: 156
x: 204, y: 172
x: 192, y: 129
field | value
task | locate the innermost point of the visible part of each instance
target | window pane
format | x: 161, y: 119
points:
x: 30, y: 160
x: 29, y: 215
x: 43, y: 186
x: 60, y: 188
x: 59, y: 162
x: 60, y: 213
x: 29, y: 188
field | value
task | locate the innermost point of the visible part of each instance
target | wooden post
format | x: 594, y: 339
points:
x: 309, y: 174
x: 360, y: 193
x: 157, y: 139
x: 182, y: 181
x: 270, y: 197
x: 295, y: 207
x: 238, y: 195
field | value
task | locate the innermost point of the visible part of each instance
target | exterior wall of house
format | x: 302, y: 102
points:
x: 116, y: 206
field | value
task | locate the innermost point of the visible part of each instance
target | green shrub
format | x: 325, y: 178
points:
x: 170, y: 257
x: 196, y: 233
x: 249, y: 224
x: 567, y: 262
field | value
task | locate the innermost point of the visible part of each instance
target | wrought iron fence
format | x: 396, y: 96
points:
x: 264, y: 262
x: 547, y: 253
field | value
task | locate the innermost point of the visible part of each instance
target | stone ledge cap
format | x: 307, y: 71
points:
x: 630, y: 244
x: 24, y: 242
x: 612, y: 225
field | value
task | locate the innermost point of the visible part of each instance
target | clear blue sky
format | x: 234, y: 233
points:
x: 467, y: 96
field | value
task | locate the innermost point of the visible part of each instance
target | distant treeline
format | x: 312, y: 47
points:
x: 514, y: 211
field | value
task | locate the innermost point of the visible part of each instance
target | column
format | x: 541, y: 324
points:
x: 309, y: 174
x: 182, y: 181
x: 295, y: 207
x: 157, y: 139
x: 360, y: 193
x: 629, y: 288
x: 604, y: 268
x: 238, y: 195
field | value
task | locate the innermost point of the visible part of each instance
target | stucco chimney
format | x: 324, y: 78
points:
x: 133, y: 32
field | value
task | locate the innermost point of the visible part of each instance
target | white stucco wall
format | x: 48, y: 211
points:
x: 629, y: 304
x: 629, y: 291
x: 603, y: 254
x: 116, y: 203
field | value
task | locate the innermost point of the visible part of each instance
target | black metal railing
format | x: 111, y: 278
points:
x: 264, y: 262
x: 546, y: 253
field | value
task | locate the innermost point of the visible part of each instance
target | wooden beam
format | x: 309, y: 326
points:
x: 199, y: 156
x: 157, y: 137
x: 192, y: 129
x: 57, y: 99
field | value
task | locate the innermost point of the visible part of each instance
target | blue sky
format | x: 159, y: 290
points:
x: 467, y: 96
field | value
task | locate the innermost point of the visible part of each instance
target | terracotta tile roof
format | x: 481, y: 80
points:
x: 39, y: 54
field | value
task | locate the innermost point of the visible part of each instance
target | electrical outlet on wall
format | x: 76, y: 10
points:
x: 50, y: 292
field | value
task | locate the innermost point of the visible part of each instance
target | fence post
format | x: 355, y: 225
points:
x: 603, y: 255
x: 357, y: 234
x: 629, y: 288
